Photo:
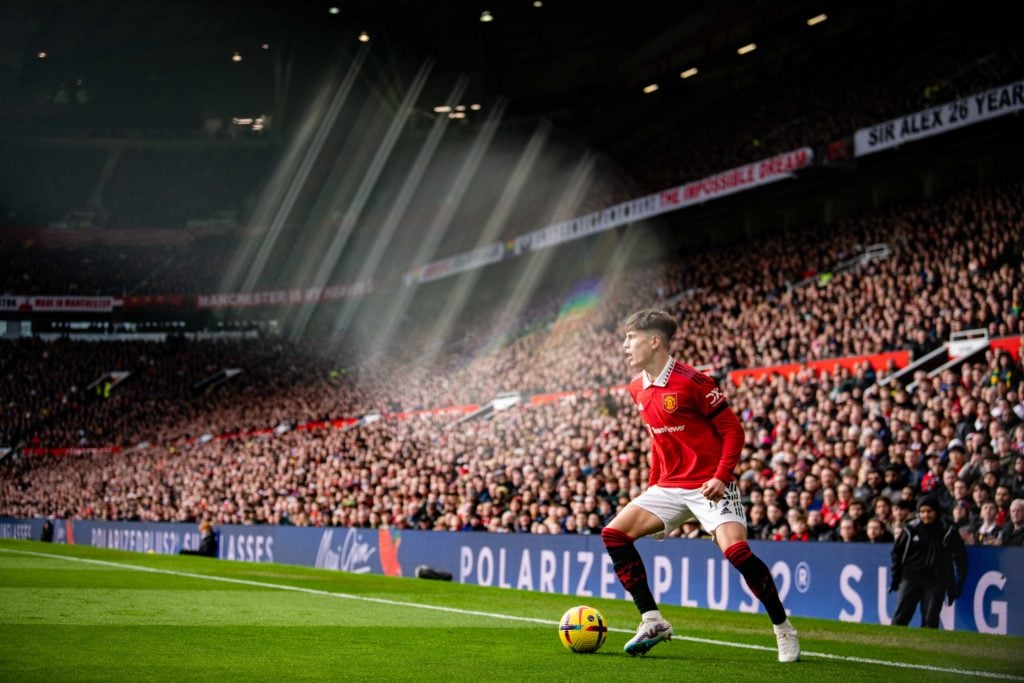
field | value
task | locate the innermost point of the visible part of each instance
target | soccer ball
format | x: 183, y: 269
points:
x: 582, y: 629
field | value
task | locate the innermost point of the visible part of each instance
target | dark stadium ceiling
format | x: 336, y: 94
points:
x: 521, y: 39
x: 557, y: 59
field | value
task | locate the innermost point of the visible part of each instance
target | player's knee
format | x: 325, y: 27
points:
x: 729, y: 534
x: 614, y: 537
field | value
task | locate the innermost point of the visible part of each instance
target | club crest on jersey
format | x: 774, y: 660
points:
x: 669, y: 402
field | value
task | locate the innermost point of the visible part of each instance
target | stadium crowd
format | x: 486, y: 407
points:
x: 836, y: 456
x: 830, y: 457
x: 954, y: 265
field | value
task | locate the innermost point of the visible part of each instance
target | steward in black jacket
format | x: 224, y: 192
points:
x: 207, y: 541
x: 928, y: 562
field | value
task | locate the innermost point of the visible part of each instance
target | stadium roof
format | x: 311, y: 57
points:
x: 556, y: 59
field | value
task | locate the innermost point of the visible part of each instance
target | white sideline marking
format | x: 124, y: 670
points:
x: 510, y: 617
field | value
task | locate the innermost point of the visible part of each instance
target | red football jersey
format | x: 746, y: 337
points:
x: 690, y: 423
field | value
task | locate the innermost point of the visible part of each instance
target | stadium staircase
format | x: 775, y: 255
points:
x: 497, y: 404
x: 874, y: 252
x: 962, y: 346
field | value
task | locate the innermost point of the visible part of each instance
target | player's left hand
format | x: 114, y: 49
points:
x: 713, y: 489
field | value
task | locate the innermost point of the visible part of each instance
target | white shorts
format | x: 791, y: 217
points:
x: 676, y: 506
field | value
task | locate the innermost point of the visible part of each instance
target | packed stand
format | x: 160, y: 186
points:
x: 835, y: 457
x: 954, y: 265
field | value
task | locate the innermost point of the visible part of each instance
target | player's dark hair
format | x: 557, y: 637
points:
x: 651, y: 319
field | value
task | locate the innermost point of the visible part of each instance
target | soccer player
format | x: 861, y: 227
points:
x: 696, y: 440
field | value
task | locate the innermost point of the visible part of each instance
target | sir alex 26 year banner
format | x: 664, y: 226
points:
x: 1005, y: 99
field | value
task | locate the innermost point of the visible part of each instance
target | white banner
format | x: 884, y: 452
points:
x: 59, y: 304
x: 747, y: 177
x: 282, y: 297
x: 967, y: 111
x: 470, y: 260
x: 720, y: 185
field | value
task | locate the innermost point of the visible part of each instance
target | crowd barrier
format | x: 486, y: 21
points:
x: 847, y: 582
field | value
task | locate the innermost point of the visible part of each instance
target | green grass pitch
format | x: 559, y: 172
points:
x: 79, y: 613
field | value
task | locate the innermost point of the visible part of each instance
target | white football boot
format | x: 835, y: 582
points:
x: 789, y: 644
x: 651, y: 632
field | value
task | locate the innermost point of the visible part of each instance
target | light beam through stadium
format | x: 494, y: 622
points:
x: 399, y: 303
x: 355, y: 209
x: 492, y: 229
x: 456, y: 194
x: 278, y: 201
x: 538, y: 262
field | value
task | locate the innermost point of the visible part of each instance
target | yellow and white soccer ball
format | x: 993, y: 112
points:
x: 582, y: 629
